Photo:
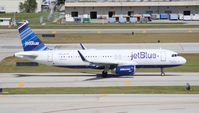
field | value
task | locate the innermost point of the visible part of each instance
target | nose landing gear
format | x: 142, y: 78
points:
x: 162, y: 72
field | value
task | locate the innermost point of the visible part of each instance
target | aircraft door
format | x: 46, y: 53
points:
x: 50, y: 56
x: 163, y: 56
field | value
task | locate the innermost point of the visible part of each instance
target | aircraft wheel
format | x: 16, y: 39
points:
x: 104, y: 74
x: 162, y: 72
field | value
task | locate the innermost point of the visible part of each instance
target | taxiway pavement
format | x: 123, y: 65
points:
x: 137, y: 30
x: 14, y: 80
x: 100, y: 103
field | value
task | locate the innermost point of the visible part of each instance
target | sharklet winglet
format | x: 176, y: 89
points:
x: 82, y: 46
x: 82, y: 56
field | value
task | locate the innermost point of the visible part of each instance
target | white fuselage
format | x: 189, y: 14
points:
x: 141, y: 58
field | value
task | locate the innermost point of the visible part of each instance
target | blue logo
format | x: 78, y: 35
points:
x: 31, y: 43
x: 143, y: 55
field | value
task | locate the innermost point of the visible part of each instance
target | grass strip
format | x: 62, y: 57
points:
x: 123, y: 38
x: 105, y: 90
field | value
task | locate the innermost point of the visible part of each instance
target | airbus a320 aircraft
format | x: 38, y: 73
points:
x: 119, y: 62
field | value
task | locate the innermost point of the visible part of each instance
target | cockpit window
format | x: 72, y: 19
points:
x: 174, y: 55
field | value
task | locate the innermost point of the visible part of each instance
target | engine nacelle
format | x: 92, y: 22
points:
x: 124, y: 70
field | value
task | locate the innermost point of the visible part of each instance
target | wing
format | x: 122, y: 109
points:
x: 82, y: 46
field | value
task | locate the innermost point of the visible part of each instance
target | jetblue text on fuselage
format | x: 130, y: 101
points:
x: 143, y: 55
x: 31, y: 43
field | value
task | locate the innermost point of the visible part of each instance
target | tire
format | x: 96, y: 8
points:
x: 104, y: 74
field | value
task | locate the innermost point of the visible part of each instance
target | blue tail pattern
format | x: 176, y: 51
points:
x: 29, y: 39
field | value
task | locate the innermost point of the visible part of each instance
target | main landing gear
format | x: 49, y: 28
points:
x: 105, y: 71
x: 162, y: 72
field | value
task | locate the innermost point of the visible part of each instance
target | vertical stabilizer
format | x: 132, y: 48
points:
x: 29, y: 39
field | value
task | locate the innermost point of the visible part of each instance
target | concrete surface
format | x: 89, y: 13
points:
x: 99, y: 103
x: 14, y: 80
x: 136, y: 30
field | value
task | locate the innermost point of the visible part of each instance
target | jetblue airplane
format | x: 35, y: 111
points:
x: 119, y: 62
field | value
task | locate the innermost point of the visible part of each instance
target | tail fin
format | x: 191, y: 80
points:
x: 29, y: 39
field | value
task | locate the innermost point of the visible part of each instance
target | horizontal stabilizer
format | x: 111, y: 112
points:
x: 26, y: 54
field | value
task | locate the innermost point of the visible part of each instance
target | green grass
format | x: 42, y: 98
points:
x: 33, y: 18
x: 8, y: 66
x: 106, y: 90
x: 123, y: 38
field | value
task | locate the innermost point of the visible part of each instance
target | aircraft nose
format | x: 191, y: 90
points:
x: 183, y: 60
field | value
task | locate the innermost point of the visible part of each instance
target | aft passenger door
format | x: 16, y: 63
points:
x: 50, y: 56
x: 163, y: 56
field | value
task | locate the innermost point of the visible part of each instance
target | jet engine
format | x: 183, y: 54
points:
x: 124, y: 70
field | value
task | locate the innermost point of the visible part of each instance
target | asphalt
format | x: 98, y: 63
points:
x: 22, y: 80
x: 100, y: 103
x: 135, y: 30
